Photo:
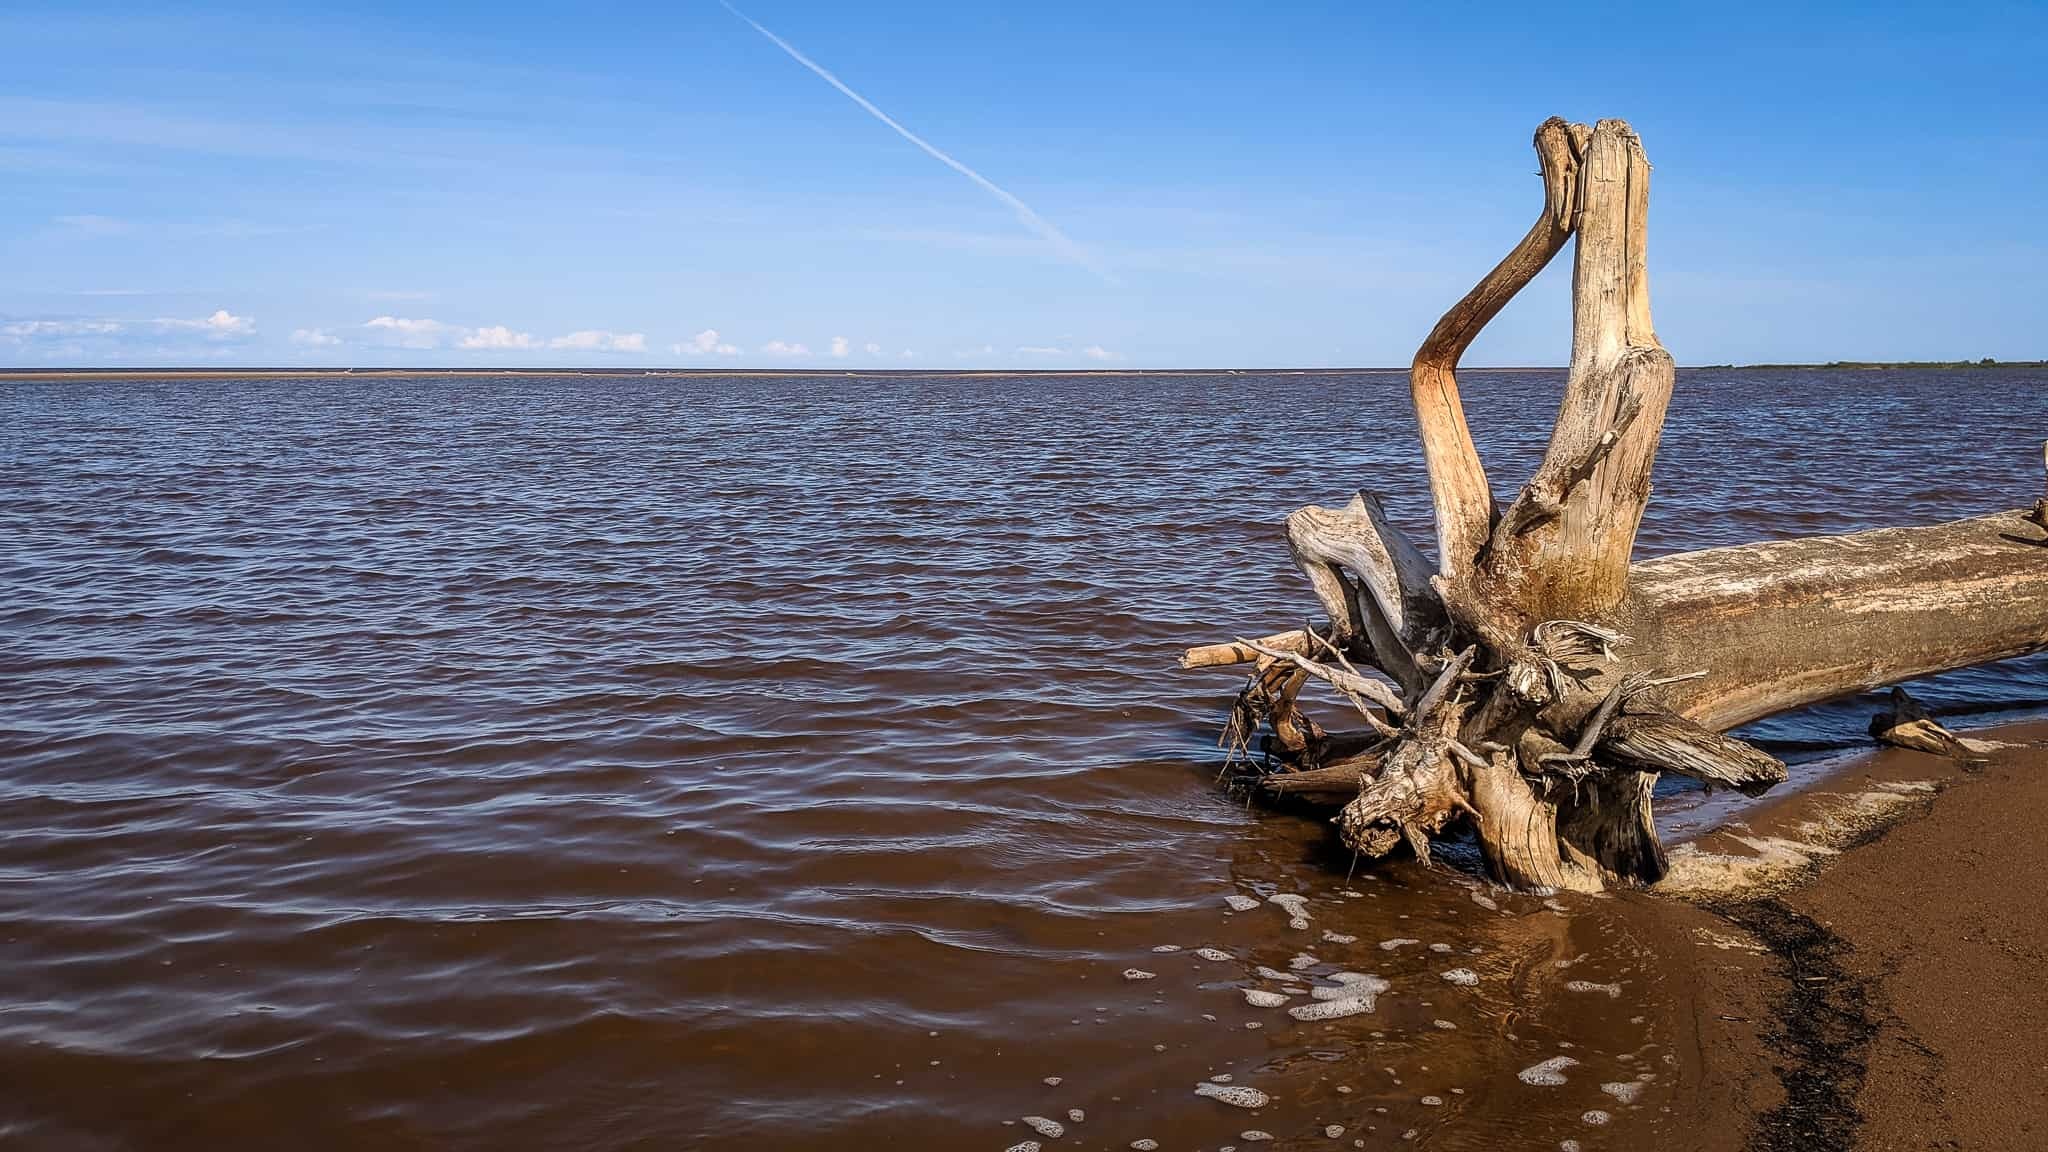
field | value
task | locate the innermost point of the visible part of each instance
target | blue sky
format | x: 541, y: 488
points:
x: 1215, y: 185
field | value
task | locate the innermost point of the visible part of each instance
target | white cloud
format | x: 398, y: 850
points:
x: 498, y: 338
x: 228, y: 324
x: 779, y: 348
x: 315, y: 337
x: 58, y: 329
x: 909, y: 355
x: 1098, y: 352
x: 705, y: 343
x: 872, y: 348
x: 422, y: 333
x: 1040, y: 350
x: 600, y: 340
x: 409, y: 333
x: 222, y: 323
x: 840, y: 347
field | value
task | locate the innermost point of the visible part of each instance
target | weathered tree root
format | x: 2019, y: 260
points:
x: 1906, y: 724
x: 1536, y: 681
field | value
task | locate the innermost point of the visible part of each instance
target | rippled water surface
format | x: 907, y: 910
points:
x: 793, y: 763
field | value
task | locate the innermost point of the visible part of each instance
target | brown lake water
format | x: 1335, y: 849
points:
x: 591, y: 763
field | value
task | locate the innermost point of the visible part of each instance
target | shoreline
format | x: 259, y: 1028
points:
x: 1875, y: 979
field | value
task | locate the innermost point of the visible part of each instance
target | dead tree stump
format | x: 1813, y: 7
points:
x: 1532, y: 681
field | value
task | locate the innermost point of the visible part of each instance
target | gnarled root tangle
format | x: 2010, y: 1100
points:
x: 1532, y: 683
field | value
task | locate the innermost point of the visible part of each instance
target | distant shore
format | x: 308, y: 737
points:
x: 1884, y: 365
x: 287, y: 373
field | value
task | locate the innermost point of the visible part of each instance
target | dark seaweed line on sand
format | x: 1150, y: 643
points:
x: 1823, y: 1031
x: 1826, y: 1019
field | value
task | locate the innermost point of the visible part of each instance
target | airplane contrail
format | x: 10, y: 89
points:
x: 1029, y: 218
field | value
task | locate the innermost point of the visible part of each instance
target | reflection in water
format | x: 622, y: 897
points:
x: 793, y: 763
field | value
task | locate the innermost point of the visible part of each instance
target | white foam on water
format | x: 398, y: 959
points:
x: 1696, y: 871
x: 1240, y: 903
x: 1299, y: 923
x: 1439, y: 947
x: 1076, y: 1115
x: 1462, y: 977
x: 1433, y: 1101
x: 1596, y: 1117
x: 1303, y: 961
x: 1333, y: 1009
x: 1145, y: 1144
x: 1236, y: 1096
x: 1296, y: 905
x: 1275, y: 973
x: 1446, y: 1025
x: 1548, y: 1073
x: 1138, y: 974
x: 1166, y: 948
x: 1052, y: 1081
x: 1254, y: 1136
x: 1554, y: 906
x: 1613, y: 990
x: 1260, y: 998
x: 1333, y: 1130
x: 1397, y: 942
x: 1485, y: 901
x: 1213, y: 954
x: 1050, y: 1129
x: 1339, y: 938
x: 1026, y: 1146
x: 1221, y: 1078
x: 1625, y: 1091
x: 1567, y: 1146
x: 1349, y: 984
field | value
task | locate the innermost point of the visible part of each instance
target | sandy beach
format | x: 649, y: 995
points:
x: 1886, y: 991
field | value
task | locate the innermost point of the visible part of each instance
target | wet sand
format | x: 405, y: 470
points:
x: 1904, y: 998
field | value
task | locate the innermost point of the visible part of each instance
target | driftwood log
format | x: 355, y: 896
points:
x: 1906, y: 724
x: 1532, y: 682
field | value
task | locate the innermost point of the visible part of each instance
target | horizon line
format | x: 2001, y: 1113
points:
x: 285, y: 371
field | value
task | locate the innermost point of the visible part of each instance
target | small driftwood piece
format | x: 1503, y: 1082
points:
x: 1538, y: 679
x: 1907, y: 724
